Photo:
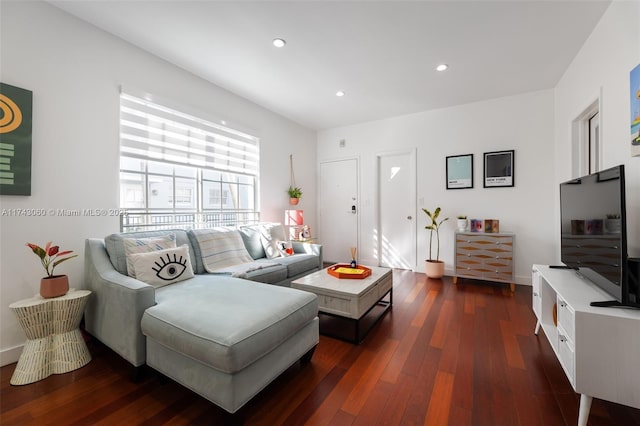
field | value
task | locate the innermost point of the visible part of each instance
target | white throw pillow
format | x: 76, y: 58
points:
x: 285, y: 248
x: 270, y: 234
x: 146, y: 245
x: 163, y: 267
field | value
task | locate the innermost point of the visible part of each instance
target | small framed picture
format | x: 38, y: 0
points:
x: 477, y: 225
x: 499, y: 169
x: 306, y: 233
x: 492, y: 226
x: 460, y: 171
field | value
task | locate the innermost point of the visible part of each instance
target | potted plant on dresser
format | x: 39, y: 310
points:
x: 434, y: 268
x: 462, y: 223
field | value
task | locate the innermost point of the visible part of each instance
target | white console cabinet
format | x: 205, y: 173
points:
x: 598, y: 348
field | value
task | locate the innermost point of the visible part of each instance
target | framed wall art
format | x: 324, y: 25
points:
x: 460, y: 171
x: 499, y: 169
x: 634, y: 80
x: 15, y: 140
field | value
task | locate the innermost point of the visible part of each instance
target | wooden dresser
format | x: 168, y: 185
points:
x: 485, y: 256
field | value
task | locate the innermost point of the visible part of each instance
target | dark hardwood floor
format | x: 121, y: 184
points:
x: 445, y: 354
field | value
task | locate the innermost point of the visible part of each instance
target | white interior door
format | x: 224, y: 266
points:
x: 339, y: 209
x: 397, y: 210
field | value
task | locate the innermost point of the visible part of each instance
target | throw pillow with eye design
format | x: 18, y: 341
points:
x: 145, y: 245
x: 163, y: 267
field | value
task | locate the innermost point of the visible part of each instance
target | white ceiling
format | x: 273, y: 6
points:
x: 383, y: 54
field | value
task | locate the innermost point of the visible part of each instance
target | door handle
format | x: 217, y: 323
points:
x: 409, y: 217
x: 353, y: 209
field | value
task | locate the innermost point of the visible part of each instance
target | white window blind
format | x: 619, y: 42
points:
x: 154, y: 132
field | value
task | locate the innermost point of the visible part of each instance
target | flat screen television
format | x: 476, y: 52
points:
x: 594, y: 233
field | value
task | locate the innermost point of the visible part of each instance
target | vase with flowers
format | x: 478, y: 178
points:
x: 50, y: 257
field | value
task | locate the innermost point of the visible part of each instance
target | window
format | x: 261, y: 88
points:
x: 179, y: 171
x: 593, y: 143
x: 586, y: 143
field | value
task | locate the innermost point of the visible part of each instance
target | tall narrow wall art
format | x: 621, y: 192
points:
x: 634, y: 80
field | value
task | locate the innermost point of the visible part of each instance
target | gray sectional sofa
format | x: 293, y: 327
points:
x: 224, y: 337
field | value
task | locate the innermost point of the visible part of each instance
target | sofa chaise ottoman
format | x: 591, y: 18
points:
x: 229, y: 350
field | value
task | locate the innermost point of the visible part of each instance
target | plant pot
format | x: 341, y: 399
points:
x: 462, y: 225
x: 613, y: 226
x: 434, y: 268
x: 294, y: 201
x: 55, y: 286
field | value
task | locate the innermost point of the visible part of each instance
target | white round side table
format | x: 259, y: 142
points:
x: 55, y: 344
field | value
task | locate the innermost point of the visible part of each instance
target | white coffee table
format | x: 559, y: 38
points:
x: 350, y: 299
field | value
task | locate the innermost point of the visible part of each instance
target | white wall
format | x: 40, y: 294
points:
x: 523, y: 123
x: 537, y: 125
x: 602, y: 67
x: 75, y: 72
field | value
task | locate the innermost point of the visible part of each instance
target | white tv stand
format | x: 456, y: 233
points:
x: 598, y: 348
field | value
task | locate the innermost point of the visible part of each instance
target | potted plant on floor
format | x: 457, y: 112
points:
x: 50, y: 257
x: 434, y: 268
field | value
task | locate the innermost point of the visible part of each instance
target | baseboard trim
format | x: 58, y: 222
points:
x: 11, y: 355
x: 520, y: 279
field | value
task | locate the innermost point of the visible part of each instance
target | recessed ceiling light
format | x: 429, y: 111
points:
x: 340, y: 93
x: 279, y: 42
x: 442, y: 67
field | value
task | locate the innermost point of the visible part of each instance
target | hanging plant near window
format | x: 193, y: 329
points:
x: 295, y: 193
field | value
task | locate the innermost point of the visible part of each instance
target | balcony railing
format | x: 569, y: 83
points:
x: 136, y: 220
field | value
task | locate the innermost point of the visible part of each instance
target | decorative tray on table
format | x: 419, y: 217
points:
x: 344, y: 270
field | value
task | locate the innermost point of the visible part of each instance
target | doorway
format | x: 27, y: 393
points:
x: 339, y: 209
x: 397, y: 222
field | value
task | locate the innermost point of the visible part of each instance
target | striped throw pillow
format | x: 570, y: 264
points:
x: 221, y: 248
